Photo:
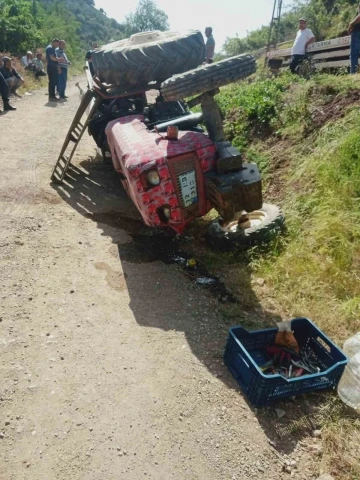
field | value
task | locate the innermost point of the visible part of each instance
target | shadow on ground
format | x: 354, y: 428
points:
x: 95, y: 191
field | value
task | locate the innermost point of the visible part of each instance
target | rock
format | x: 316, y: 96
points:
x: 7, y: 423
x: 280, y: 413
x: 2, y: 435
x: 288, y: 469
x: 316, y: 433
x: 293, y: 464
x: 316, y: 449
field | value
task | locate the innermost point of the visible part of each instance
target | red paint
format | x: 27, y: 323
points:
x: 135, y: 150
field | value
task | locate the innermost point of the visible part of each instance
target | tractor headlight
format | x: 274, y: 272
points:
x: 167, y: 212
x: 164, y: 213
x: 153, y: 178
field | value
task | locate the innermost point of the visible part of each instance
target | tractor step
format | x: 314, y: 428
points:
x: 75, y: 133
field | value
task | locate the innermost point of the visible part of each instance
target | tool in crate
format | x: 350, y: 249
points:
x: 282, y: 362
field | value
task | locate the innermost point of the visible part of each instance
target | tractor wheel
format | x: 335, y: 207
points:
x: 208, y: 77
x: 255, y: 228
x: 149, y: 56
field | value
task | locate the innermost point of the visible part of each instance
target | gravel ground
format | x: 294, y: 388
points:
x: 111, y: 361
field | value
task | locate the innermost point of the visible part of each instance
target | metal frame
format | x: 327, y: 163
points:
x: 275, y: 23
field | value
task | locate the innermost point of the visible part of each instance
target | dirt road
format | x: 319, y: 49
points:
x: 111, y: 362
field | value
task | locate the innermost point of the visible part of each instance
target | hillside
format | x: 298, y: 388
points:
x: 29, y: 24
x: 94, y: 25
x: 305, y: 136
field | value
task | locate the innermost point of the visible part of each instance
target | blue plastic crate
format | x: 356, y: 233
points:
x: 244, y: 353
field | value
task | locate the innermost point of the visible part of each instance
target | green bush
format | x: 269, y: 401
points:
x: 253, y: 109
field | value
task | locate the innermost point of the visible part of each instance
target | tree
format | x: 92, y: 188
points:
x: 18, y: 28
x: 147, y: 17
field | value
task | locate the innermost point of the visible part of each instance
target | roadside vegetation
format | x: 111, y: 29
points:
x: 31, y: 24
x: 305, y: 136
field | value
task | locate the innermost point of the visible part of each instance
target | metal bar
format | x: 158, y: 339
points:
x: 335, y: 54
x: 271, y: 26
x: 325, y: 65
x: 337, y: 63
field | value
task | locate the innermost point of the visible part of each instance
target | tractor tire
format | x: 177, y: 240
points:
x: 265, y: 224
x: 208, y: 77
x: 148, y: 56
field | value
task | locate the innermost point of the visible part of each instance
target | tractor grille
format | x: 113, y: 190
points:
x: 178, y: 166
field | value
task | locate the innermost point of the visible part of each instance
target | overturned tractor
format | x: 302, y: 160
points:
x: 175, y: 165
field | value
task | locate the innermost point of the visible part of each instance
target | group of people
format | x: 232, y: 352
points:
x: 58, y: 63
x: 57, y: 71
x: 35, y: 65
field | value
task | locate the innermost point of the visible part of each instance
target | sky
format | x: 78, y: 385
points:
x: 226, y: 17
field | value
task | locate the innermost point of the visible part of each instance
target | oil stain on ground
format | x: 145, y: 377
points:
x: 114, y: 279
x: 154, y: 245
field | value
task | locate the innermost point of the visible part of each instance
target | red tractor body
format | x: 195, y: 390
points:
x: 164, y: 178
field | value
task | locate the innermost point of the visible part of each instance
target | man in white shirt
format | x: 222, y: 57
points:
x: 304, y: 38
x: 27, y: 60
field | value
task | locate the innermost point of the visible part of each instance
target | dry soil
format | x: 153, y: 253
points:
x: 111, y: 361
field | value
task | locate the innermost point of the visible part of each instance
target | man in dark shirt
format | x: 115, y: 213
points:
x: 12, y: 78
x: 88, y: 57
x: 52, y: 68
x: 354, y: 30
x: 4, y: 91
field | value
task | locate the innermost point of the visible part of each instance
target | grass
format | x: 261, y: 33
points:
x: 287, y: 126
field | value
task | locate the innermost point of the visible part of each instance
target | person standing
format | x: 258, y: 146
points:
x: 209, y: 46
x: 4, y: 91
x: 52, y: 68
x: 88, y: 58
x: 62, y: 69
x: 12, y: 78
x: 354, y: 31
x: 304, y: 38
